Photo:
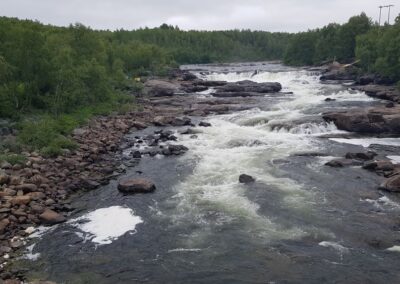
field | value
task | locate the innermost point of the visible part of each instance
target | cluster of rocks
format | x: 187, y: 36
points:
x: 375, y: 120
x: 368, y: 162
x: 39, y: 191
x: 383, y: 92
x: 222, y: 89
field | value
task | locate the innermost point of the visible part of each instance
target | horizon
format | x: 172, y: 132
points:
x: 254, y: 15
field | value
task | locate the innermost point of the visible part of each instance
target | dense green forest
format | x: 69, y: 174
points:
x: 54, y: 78
x: 376, y: 47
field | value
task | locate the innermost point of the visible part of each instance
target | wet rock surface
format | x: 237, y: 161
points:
x: 136, y: 185
x: 377, y: 120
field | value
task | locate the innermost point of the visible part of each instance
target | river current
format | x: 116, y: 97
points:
x: 300, y: 222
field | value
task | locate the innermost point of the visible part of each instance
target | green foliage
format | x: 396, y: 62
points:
x: 13, y: 159
x: 332, y: 42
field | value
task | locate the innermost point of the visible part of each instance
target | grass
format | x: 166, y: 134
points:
x: 13, y: 159
x: 49, y: 134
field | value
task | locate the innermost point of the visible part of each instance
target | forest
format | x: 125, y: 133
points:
x: 52, y: 79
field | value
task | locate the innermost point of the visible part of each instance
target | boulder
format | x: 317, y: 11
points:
x: 340, y: 163
x: 379, y: 166
x: 20, y: 200
x: 136, y: 185
x: 392, y: 184
x: 204, y: 124
x: 375, y: 120
x: 160, y: 88
x: 361, y: 156
x: 4, y: 178
x: 177, y: 149
x: 27, y: 187
x: 3, y: 225
x: 249, y: 87
x: 51, y: 217
x: 246, y: 179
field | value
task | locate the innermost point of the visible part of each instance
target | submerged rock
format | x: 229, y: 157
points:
x: 136, y: 185
x: 340, y: 163
x: 246, y: 179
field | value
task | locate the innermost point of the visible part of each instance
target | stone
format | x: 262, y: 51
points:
x: 160, y: 88
x: 3, y: 225
x: 21, y: 200
x: 5, y: 165
x: 361, y: 156
x: 51, y: 217
x: 177, y: 149
x: 204, y: 124
x: 27, y: 187
x: 340, y: 163
x: 136, y: 185
x: 392, y: 184
x: 379, y: 166
x: 4, y: 178
x: 246, y: 179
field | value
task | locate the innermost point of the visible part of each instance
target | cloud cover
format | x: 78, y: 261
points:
x: 270, y: 15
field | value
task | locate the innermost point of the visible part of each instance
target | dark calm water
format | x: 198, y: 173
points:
x: 301, y: 222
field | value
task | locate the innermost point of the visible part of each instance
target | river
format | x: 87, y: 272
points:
x: 300, y: 222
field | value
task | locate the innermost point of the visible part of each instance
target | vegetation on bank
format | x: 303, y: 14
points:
x: 53, y: 79
x: 376, y: 47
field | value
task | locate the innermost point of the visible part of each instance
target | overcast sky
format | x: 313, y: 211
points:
x: 271, y: 15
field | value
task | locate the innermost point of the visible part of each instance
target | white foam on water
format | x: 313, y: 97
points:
x: 30, y: 255
x: 366, y: 142
x: 394, y: 249
x: 184, y: 250
x: 336, y: 246
x: 384, y: 202
x: 394, y: 159
x: 350, y: 96
x: 106, y: 225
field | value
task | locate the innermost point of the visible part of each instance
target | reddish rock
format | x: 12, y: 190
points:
x: 392, y: 184
x: 20, y: 200
x: 4, y: 179
x: 136, y: 185
x: 4, y: 224
x: 51, y: 217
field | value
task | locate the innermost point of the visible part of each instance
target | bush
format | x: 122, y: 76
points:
x: 13, y: 159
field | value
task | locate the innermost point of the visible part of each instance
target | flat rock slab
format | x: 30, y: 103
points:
x: 136, y: 185
x: 51, y: 217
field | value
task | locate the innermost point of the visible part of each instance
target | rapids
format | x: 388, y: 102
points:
x: 300, y: 222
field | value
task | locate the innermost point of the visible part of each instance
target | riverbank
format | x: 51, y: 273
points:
x: 266, y: 123
x: 39, y: 191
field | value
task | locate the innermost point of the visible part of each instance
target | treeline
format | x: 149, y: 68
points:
x: 59, y: 69
x: 377, y: 48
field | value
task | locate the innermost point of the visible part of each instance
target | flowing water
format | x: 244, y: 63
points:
x: 300, y: 222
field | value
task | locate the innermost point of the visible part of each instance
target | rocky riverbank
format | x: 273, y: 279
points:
x: 381, y: 120
x: 39, y: 192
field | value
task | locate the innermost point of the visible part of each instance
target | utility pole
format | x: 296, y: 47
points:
x: 389, y: 6
x: 380, y: 14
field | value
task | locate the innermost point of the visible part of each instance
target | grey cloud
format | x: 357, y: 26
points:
x: 281, y: 15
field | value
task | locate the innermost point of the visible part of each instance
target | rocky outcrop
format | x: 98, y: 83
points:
x: 390, y: 93
x: 136, y: 185
x: 161, y: 88
x: 247, y: 88
x: 372, y: 120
